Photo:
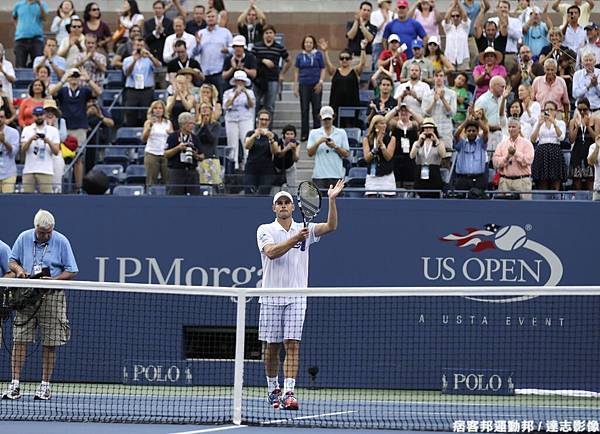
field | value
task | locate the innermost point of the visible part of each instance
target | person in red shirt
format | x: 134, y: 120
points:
x: 393, y: 57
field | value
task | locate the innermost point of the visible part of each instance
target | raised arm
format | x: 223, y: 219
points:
x: 324, y: 46
x: 332, y: 216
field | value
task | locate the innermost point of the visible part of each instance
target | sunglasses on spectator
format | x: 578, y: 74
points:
x: 345, y: 57
x: 264, y: 119
x: 455, y: 16
x: 76, y: 27
x: 94, y: 9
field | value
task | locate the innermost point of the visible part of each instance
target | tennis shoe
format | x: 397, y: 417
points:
x: 275, y: 398
x: 43, y: 393
x: 289, y: 401
x: 13, y: 392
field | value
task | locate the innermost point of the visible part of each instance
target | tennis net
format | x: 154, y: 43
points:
x: 490, y: 359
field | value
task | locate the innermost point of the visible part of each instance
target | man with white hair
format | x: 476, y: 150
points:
x: 586, y: 81
x: 551, y: 87
x: 46, y: 253
x: 490, y: 103
x: 513, y: 158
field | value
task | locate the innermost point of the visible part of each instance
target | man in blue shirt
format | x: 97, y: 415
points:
x: 407, y: 29
x: 139, y: 71
x: 471, y: 168
x: 39, y: 251
x: 29, y: 34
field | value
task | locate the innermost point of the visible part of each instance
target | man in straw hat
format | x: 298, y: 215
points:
x: 489, y: 67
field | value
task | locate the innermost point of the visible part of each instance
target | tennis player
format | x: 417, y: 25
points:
x: 285, y: 265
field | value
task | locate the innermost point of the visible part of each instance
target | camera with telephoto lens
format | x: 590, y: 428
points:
x: 546, y: 113
x: 187, y: 156
x: 41, y: 135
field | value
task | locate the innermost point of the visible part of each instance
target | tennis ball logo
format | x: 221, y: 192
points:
x: 510, y: 238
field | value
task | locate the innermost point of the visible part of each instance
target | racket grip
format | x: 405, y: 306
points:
x: 303, y: 246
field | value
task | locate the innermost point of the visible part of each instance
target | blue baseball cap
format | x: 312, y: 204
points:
x: 38, y: 111
x: 417, y: 43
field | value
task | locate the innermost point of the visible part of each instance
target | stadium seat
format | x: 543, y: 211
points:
x: 113, y: 171
x: 354, y: 191
x: 445, y: 175
x: 157, y: 190
x: 280, y: 38
x: 129, y: 136
x: 365, y: 95
x: 114, y: 155
x: 128, y: 190
x: 109, y: 95
x: 357, y: 113
x: 358, y: 172
x: 135, y: 174
x: 356, y: 154
x: 161, y: 94
x: 23, y: 76
x: 114, y: 79
x: 354, y: 135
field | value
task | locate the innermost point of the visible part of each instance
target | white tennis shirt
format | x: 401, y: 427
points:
x: 289, y: 270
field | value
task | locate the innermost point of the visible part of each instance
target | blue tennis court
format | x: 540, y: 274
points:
x: 397, y: 413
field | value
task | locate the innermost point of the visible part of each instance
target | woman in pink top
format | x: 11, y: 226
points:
x: 489, y: 67
x: 424, y: 12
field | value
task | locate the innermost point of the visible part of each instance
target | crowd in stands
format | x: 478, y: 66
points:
x: 475, y: 98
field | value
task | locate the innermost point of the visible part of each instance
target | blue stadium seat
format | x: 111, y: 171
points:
x: 346, y: 112
x: 356, y: 155
x: 116, y: 156
x: 157, y: 190
x: 135, y: 174
x: 358, y: 172
x: 366, y: 95
x: 109, y: 95
x: 354, y: 135
x: 445, y: 175
x: 280, y: 38
x: 23, y: 76
x: 161, y: 94
x: 129, y: 136
x: 128, y: 190
x: 113, y: 171
x: 114, y: 79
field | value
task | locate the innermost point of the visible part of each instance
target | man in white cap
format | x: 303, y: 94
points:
x: 240, y: 60
x: 285, y: 265
x: 329, y: 145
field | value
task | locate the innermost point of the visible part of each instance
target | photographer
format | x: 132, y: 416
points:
x: 288, y: 153
x: 379, y: 148
x: 428, y: 152
x: 38, y: 141
x: 139, y: 69
x: 262, y: 145
x: 183, y: 153
x: 41, y: 251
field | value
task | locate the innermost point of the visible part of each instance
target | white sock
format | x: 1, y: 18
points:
x: 45, y: 384
x: 272, y: 383
x: 289, y: 384
x: 15, y: 383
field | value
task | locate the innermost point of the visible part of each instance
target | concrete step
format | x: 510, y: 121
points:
x: 288, y: 95
x: 289, y: 85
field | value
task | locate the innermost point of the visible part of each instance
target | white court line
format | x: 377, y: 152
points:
x: 314, y: 416
x: 221, y: 428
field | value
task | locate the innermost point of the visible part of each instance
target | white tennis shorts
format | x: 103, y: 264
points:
x: 281, y: 322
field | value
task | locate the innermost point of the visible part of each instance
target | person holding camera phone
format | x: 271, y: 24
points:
x: 428, y: 152
x: 46, y: 253
x: 287, y: 155
x: 262, y: 145
x: 549, y: 168
x: 182, y: 154
x: 38, y: 142
x: 379, y: 148
x: 139, y: 69
x: 155, y: 134
x: 412, y: 91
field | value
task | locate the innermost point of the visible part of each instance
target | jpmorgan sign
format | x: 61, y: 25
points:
x: 522, y: 260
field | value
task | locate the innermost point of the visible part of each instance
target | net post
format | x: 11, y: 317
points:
x: 240, y: 337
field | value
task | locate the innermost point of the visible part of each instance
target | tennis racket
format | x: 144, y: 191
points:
x: 309, y: 202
